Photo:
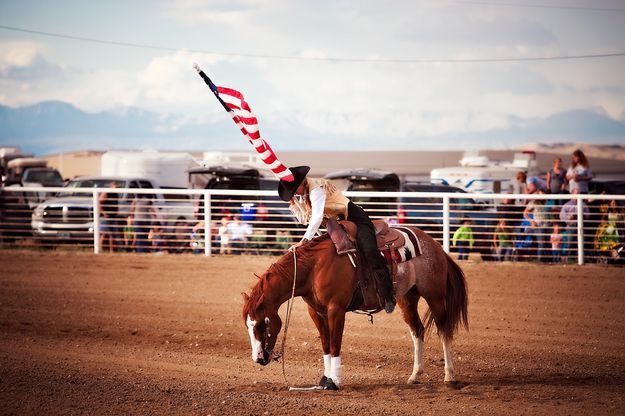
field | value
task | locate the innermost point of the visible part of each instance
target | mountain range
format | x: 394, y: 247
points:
x: 53, y: 126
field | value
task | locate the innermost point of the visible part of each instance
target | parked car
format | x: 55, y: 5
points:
x: 69, y: 215
x: 373, y: 180
x: 16, y: 200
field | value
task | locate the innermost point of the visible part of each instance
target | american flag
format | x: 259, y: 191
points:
x: 242, y: 115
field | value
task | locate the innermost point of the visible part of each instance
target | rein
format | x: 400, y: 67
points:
x: 287, y: 318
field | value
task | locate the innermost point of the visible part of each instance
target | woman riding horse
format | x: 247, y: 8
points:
x: 314, y: 200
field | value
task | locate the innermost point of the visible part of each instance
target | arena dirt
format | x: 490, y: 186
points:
x: 148, y: 334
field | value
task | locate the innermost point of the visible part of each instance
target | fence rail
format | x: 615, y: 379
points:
x: 546, y: 228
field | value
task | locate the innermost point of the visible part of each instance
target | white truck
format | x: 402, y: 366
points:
x: 69, y: 216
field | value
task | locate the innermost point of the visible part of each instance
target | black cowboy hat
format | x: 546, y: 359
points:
x: 286, y: 190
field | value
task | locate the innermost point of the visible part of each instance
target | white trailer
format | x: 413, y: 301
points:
x: 168, y: 169
x: 477, y: 173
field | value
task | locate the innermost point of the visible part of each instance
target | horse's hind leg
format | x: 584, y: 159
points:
x: 438, y: 311
x: 450, y: 376
x: 324, y: 333
x: 408, y: 305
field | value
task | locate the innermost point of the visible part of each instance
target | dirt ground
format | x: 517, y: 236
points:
x: 148, y: 334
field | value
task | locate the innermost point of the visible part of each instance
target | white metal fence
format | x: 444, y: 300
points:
x: 545, y: 228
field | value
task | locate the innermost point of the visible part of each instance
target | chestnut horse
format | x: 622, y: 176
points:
x: 327, y: 281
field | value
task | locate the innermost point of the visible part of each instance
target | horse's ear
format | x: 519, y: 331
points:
x: 246, y: 297
x: 257, y: 275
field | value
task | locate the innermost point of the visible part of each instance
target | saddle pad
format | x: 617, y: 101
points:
x: 411, y: 248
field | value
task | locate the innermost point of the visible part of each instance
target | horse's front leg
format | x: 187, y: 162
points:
x: 321, y: 322
x: 336, y: 323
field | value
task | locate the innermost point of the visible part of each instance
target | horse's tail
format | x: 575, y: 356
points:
x: 456, y: 302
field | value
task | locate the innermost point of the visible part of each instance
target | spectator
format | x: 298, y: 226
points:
x: 283, y: 242
x: 535, y: 185
x: 108, y: 217
x: 568, y: 215
x: 520, y: 184
x: 538, y: 225
x: 502, y: 241
x: 129, y: 235
x: 238, y: 232
x: 609, y: 231
x: 197, y: 238
x: 224, y: 236
x: 142, y: 213
x: 579, y: 174
x: 556, y: 177
x: 258, y: 241
x: 156, y: 237
x: 463, y: 239
x: 556, y: 239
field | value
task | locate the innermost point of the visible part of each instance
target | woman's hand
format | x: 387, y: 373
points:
x: 295, y: 246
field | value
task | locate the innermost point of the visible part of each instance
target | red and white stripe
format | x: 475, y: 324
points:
x: 246, y: 120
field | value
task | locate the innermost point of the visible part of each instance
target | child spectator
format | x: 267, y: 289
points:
x: 502, y: 241
x: 156, y: 236
x: 129, y: 235
x: 556, y: 239
x: 463, y: 239
x: 224, y: 236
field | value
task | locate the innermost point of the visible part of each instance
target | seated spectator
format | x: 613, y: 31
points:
x: 224, y: 236
x: 156, y: 237
x: 238, y: 232
x: 283, y: 242
x: 258, y: 242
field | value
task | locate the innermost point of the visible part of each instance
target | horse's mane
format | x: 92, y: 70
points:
x: 283, y: 268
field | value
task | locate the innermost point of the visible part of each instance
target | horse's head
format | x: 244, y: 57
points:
x: 263, y: 325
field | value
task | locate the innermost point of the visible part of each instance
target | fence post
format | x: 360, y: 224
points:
x: 446, y: 224
x: 208, y: 238
x: 96, y: 222
x: 580, y: 231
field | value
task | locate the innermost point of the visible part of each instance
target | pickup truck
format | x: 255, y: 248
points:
x: 69, y: 215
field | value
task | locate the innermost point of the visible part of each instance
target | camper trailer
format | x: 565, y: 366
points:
x: 169, y: 169
x: 478, y: 174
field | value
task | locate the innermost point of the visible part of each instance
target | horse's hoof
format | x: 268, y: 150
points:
x: 329, y: 385
x: 456, y: 385
x: 323, y: 381
x: 413, y: 380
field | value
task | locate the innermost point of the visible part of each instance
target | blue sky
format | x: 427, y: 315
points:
x: 336, y: 86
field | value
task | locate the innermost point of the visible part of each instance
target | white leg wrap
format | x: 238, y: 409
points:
x: 335, y: 370
x: 449, y: 362
x: 327, y: 365
x: 417, y: 366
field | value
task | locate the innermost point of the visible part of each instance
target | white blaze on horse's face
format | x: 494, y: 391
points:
x: 257, y: 347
